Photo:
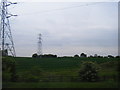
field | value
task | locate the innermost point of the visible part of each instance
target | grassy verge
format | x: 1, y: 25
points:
x: 107, y: 84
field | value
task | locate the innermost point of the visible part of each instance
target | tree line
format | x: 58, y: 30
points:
x: 35, y: 55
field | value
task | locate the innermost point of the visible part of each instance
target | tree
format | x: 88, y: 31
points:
x: 88, y: 72
x: 34, y: 55
x: 76, y: 55
x: 49, y: 56
x: 117, y: 57
x: 83, y: 55
x: 110, y: 56
x: 91, y: 56
x: 5, y: 52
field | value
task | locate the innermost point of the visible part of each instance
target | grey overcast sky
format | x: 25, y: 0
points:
x: 67, y: 28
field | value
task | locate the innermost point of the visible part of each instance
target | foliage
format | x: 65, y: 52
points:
x: 31, y: 76
x: 44, y: 56
x: 83, y: 55
x: 34, y: 55
x: 5, y: 52
x: 76, y: 55
x: 88, y: 72
x: 8, y: 68
x: 49, y: 56
x: 117, y: 57
x: 110, y: 56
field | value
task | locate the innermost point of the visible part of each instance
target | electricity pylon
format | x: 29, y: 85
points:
x: 39, y: 52
x: 7, y: 44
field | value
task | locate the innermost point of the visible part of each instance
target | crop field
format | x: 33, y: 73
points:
x: 63, y: 72
x: 64, y: 66
x: 52, y: 64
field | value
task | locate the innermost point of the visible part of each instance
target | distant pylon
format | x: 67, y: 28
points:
x: 6, y: 39
x: 39, y: 52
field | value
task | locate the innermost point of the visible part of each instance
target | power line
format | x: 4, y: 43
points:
x: 65, y: 8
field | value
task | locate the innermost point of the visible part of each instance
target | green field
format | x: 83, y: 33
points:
x: 64, y: 66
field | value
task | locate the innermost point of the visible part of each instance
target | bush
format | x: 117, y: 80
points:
x: 88, y: 72
x: 8, y: 69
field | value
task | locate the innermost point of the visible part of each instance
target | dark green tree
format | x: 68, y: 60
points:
x: 117, y: 57
x: 34, y: 55
x: 83, y: 55
x: 76, y: 55
x: 110, y: 56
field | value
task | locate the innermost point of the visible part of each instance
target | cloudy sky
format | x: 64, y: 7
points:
x: 67, y: 28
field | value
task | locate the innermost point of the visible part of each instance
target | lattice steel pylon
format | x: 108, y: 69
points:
x: 39, y: 52
x: 6, y: 40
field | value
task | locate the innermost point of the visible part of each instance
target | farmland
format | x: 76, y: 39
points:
x: 63, y: 71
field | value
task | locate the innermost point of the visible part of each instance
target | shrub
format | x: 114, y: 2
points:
x: 88, y: 72
x: 8, y: 69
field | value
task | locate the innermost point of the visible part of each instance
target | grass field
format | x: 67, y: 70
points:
x: 67, y: 66
x: 63, y: 66
x: 52, y: 64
